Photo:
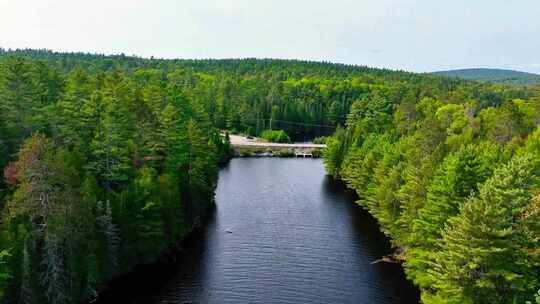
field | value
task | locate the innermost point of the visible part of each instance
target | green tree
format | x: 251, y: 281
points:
x: 489, y: 250
x: 457, y: 179
x: 111, y: 146
x: 4, y: 272
x: 334, y: 153
x: 46, y: 197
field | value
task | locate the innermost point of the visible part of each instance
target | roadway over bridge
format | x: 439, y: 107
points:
x: 298, y: 149
x: 237, y: 140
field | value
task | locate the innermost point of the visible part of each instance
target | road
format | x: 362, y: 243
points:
x: 237, y: 140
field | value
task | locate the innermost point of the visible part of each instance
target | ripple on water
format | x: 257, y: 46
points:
x: 283, y: 234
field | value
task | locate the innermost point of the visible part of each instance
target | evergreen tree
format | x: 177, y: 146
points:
x: 490, y: 250
x: 456, y: 179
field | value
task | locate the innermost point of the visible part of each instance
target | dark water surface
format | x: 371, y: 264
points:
x: 282, y: 232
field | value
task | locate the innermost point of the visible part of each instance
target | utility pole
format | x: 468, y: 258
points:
x: 257, y: 132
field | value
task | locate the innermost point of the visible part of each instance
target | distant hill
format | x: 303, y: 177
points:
x: 494, y: 75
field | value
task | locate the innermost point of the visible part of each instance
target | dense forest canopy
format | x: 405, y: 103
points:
x: 494, y: 75
x: 455, y: 182
x: 108, y: 161
x: 101, y: 172
x: 305, y: 99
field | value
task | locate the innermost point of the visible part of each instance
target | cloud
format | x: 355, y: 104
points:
x: 418, y: 35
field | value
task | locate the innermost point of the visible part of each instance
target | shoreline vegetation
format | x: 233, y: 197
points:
x: 102, y: 172
x: 454, y: 182
x: 159, y: 269
x: 107, y: 161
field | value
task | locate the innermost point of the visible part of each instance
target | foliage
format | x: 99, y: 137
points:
x: 494, y: 75
x: 4, y: 271
x: 490, y: 250
x: 305, y: 99
x: 454, y: 182
x: 536, y: 297
x: 102, y: 171
x: 108, y: 161
x: 320, y: 140
x: 276, y: 136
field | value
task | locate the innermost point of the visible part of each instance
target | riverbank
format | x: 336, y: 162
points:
x: 136, y: 283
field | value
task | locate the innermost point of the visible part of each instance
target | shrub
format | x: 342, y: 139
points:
x: 320, y: 140
x: 276, y: 136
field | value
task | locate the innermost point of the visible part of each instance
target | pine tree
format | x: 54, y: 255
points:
x: 46, y: 200
x: 456, y: 179
x: 5, y: 274
x: 55, y: 278
x: 111, y: 145
x: 487, y: 254
x: 335, y: 152
x: 20, y: 100
x: 27, y: 290
x: 70, y: 127
x: 112, y: 237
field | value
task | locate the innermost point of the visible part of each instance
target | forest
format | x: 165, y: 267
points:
x: 494, y: 76
x: 109, y: 161
x: 454, y: 181
x: 101, y: 172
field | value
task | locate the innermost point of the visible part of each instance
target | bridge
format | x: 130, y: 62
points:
x: 243, y: 145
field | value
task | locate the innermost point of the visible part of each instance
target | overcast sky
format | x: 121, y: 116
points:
x: 415, y: 35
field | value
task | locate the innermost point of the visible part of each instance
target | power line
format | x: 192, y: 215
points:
x: 305, y: 124
x: 292, y: 122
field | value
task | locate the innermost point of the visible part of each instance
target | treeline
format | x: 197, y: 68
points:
x: 494, y: 75
x: 305, y: 99
x: 455, y: 182
x: 101, y: 172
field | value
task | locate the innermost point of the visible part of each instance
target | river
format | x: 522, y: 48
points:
x: 282, y: 232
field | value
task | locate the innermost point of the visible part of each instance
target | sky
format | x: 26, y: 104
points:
x: 413, y: 35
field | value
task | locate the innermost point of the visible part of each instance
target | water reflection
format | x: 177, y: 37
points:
x: 282, y: 232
